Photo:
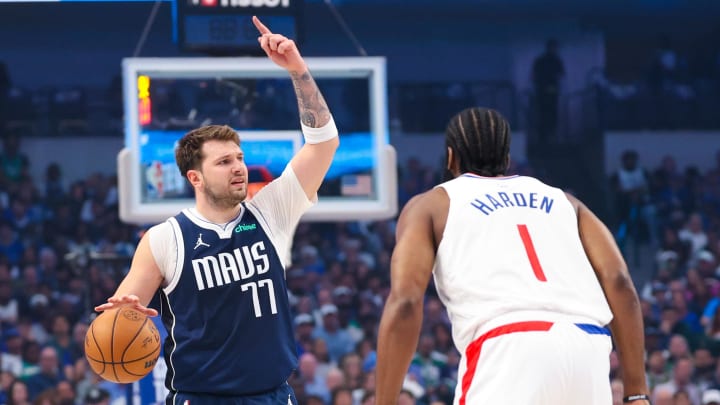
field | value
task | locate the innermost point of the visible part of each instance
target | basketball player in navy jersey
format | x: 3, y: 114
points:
x: 530, y: 278
x: 219, y: 267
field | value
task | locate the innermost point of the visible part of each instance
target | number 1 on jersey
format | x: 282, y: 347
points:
x: 530, y: 250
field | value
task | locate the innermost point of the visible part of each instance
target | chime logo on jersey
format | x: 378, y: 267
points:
x: 225, y: 268
x: 243, y: 227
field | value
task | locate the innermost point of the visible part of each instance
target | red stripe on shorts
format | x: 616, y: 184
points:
x: 473, y: 351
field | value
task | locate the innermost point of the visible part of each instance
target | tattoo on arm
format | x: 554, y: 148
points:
x: 314, y: 111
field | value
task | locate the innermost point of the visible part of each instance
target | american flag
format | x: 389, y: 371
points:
x: 356, y: 184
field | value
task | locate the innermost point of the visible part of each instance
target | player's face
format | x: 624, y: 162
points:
x: 224, y: 173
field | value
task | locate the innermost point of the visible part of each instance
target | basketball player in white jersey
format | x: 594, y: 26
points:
x: 530, y: 278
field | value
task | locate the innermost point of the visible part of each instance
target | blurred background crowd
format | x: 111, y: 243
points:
x: 63, y: 248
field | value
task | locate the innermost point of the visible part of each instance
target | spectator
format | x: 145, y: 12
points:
x: 314, y: 383
x: 630, y: 185
x: 681, y: 398
x: 30, y: 358
x: 351, y: 367
x: 65, y: 393
x: 547, y: 71
x: 10, y: 243
x: 434, y: 314
x: 367, y: 390
x: 705, y: 264
x: 11, y: 356
x: 341, y: 396
x: 14, y: 163
x: 5, y: 85
x: 335, y: 379
x: 693, y: 232
x: 54, y: 186
x: 61, y: 340
x: 681, y: 380
x: 49, y: 375
x: 304, y: 325
x: 666, y: 65
x: 678, y: 348
x: 705, y: 365
x: 666, y: 71
x: 339, y: 341
x: 6, y: 379
x: 8, y: 305
x: 18, y: 394
x: 657, y: 371
x: 428, y: 364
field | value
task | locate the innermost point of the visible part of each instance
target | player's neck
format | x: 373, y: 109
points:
x: 217, y: 215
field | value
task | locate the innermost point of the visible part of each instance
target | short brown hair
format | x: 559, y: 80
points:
x: 188, y: 153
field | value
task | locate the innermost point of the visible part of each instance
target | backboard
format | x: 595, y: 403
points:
x: 166, y: 97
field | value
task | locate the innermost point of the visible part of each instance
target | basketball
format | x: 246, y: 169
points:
x: 122, y: 345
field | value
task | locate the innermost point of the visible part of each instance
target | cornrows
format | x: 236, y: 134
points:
x: 480, y: 140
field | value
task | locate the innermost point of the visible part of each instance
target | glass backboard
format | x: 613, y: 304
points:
x: 166, y: 97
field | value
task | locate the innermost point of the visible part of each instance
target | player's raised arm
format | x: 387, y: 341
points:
x: 627, y: 323
x: 313, y: 160
x: 140, y: 284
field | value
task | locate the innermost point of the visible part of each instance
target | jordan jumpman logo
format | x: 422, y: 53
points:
x: 200, y: 242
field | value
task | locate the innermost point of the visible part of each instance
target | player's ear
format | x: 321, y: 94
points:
x: 450, y: 159
x: 453, y: 164
x: 194, y: 177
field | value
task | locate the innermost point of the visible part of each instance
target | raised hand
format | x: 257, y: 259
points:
x: 126, y: 300
x: 280, y: 49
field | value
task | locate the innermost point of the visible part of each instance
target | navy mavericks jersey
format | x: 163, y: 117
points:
x: 227, y: 314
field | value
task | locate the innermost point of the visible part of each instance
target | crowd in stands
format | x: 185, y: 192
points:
x: 676, y: 212
x: 51, y: 234
x: 676, y: 88
x: 63, y: 250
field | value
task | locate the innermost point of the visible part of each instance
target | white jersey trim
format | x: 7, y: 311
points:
x: 179, y: 260
x: 174, y: 342
x: 224, y: 231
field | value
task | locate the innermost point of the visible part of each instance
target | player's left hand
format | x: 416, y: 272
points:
x: 130, y: 300
x: 280, y: 49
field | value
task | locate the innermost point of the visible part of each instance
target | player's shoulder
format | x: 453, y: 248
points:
x: 163, y: 230
x: 427, y: 202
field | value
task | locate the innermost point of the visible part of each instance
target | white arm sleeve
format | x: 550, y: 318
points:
x: 163, y: 247
x: 279, y: 206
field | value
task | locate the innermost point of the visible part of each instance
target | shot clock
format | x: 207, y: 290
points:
x: 225, y: 28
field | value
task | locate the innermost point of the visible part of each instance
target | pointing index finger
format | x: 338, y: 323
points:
x: 260, y: 26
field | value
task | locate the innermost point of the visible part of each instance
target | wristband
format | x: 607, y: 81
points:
x: 319, y: 135
x: 636, y: 397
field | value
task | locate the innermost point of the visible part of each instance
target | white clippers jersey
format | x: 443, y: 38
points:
x: 503, y: 237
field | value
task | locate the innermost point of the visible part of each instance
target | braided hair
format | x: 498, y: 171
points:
x: 480, y: 141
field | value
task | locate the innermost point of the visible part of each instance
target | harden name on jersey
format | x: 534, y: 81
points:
x: 225, y: 268
x: 489, y: 203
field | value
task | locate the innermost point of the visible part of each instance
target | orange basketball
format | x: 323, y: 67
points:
x: 122, y: 345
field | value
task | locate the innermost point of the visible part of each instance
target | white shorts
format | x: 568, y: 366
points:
x: 537, y: 363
